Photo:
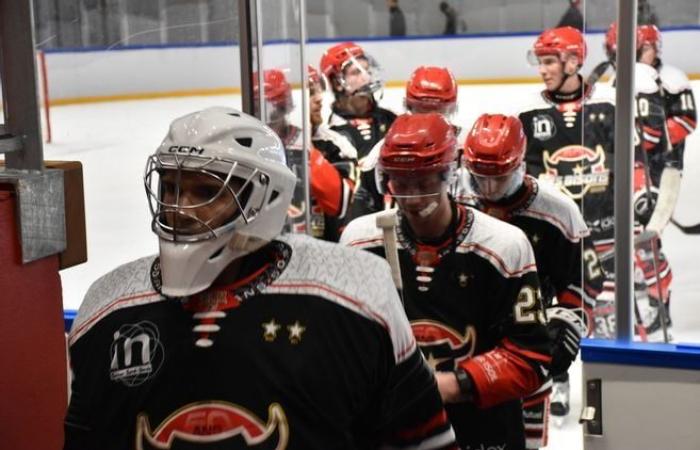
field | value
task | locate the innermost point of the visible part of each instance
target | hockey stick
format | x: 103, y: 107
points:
x: 597, y: 72
x: 387, y: 221
x: 687, y: 229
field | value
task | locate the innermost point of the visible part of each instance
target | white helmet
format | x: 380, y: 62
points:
x: 243, y: 159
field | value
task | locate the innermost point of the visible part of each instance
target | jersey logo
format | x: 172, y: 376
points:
x: 443, y: 346
x: 576, y: 170
x: 214, y: 425
x: 543, y: 127
x: 136, y: 353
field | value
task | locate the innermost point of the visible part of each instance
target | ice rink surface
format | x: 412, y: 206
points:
x: 113, y: 140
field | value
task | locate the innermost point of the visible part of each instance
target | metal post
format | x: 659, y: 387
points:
x: 18, y: 76
x: 306, y: 128
x: 624, y: 163
x: 246, y: 54
x: 262, y: 105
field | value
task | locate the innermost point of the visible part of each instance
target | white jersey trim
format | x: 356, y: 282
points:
x: 504, y: 246
x: 347, y: 150
x: 552, y: 206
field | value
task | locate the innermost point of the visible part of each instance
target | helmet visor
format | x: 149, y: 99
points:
x: 361, y: 75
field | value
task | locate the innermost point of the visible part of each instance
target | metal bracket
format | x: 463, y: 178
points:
x: 8, y: 142
x: 41, y: 211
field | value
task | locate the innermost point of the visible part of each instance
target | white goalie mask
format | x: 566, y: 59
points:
x: 218, y: 188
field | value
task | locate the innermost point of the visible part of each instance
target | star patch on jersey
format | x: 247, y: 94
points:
x: 295, y: 332
x: 270, y: 330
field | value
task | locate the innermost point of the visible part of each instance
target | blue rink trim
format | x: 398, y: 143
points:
x: 68, y: 318
x: 676, y: 356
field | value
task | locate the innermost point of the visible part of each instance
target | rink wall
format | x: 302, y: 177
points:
x: 87, y: 75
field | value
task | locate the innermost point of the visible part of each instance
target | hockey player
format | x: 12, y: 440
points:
x: 496, y: 184
x: 355, y: 80
x: 658, y: 159
x: 332, y: 157
x: 470, y: 286
x: 237, y: 337
x: 574, y: 151
x: 430, y: 89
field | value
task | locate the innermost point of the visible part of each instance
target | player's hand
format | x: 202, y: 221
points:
x: 565, y: 329
x: 448, y: 386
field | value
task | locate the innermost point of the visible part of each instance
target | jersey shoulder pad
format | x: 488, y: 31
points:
x: 345, y: 148
x: 369, y: 162
x: 335, y: 120
x: 673, y: 79
x: 602, y: 93
x: 363, y: 233
x: 126, y: 286
x: 503, y: 245
x: 645, y: 79
x: 535, y: 101
x: 354, y: 279
x: 554, y: 207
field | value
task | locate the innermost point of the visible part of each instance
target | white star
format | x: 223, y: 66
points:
x: 271, y: 329
x: 295, y: 331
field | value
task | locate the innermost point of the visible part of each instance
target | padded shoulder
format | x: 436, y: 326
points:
x: 673, y: 79
x: 126, y: 286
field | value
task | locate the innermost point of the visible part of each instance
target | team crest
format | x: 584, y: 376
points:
x: 214, y: 425
x: 443, y: 346
x: 543, y: 127
x: 576, y: 170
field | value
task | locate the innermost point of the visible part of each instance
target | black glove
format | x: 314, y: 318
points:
x: 565, y: 328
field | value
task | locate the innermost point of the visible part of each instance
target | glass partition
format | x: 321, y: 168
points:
x: 117, y: 74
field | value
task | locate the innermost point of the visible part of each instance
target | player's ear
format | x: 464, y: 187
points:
x: 572, y: 63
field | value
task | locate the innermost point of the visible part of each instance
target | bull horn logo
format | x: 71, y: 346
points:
x: 211, y: 425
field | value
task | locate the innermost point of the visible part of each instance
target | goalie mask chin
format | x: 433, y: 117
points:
x: 218, y: 189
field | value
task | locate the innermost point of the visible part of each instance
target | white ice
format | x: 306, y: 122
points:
x: 113, y: 140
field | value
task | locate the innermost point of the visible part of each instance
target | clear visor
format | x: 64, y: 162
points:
x: 361, y: 76
x: 277, y: 111
x: 191, y: 198
x: 543, y: 58
x: 430, y: 105
x: 414, y: 184
x: 495, y: 188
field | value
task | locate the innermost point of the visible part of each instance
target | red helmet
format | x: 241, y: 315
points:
x: 646, y: 34
x: 418, y: 143
x: 560, y: 41
x: 335, y: 58
x: 431, y: 89
x: 278, y: 92
x: 495, y: 145
x: 315, y: 78
x: 366, y: 78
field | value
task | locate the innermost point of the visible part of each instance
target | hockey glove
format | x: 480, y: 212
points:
x: 565, y: 329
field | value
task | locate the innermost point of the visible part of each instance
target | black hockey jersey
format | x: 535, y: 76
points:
x: 309, y: 350
x: 554, y: 226
x: 679, y: 102
x: 472, y: 300
x: 364, y: 133
x: 570, y: 142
